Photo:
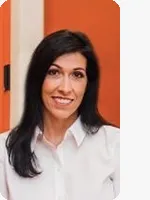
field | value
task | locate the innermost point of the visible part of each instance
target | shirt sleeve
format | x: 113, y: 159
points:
x: 3, y: 185
x: 116, y: 174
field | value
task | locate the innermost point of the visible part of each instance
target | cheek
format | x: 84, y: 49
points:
x: 80, y: 90
x: 48, y: 86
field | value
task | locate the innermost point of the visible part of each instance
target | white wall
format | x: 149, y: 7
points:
x: 27, y: 30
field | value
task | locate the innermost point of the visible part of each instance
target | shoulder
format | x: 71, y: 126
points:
x: 108, y: 138
x: 112, y: 133
x: 109, y: 133
x: 106, y: 135
x: 3, y: 137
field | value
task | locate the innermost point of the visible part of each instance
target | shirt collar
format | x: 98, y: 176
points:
x: 76, y: 129
x: 37, y: 134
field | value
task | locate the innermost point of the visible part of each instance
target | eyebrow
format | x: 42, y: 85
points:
x: 77, y: 68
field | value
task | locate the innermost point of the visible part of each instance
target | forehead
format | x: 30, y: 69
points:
x: 71, y: 61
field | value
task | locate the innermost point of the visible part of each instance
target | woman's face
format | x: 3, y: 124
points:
x: 64, y: 86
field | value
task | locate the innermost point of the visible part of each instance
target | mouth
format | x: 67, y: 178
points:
x: 62, y: 100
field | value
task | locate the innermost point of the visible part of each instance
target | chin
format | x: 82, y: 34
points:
x: 63, y: 115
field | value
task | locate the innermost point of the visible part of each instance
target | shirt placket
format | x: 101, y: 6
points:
x: 59, y: 174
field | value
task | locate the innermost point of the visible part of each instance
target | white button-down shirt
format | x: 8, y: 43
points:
x: 82, y: 167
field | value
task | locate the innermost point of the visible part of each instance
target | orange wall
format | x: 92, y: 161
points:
x: 100, y: 19
x: 4, y: 59
x: 1, y: 64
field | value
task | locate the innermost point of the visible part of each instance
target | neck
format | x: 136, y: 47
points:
x: 54, y: 129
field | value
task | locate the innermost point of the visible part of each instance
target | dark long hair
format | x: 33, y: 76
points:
x: 18, y: 143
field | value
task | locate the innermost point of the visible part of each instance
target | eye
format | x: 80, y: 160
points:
x: 78, y: 74
x: 53, y: 72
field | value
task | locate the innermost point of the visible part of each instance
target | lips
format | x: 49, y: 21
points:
x: 62, y: 100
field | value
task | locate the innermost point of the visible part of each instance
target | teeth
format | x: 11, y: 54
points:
x: 63, y: 101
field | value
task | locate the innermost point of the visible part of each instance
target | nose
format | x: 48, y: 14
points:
x: 65, y: 85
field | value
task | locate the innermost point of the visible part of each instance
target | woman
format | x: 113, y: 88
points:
x: 62, y: 149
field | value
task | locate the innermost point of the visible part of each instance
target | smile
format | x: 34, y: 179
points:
x: 63, y: 101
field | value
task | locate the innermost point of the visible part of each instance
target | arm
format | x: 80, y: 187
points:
x: 116, y: 175
x: 3, y: 185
